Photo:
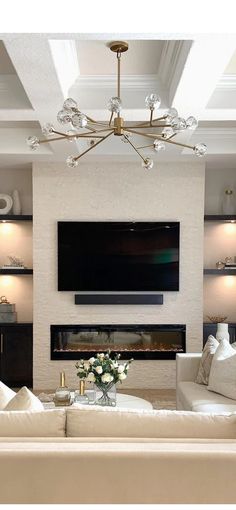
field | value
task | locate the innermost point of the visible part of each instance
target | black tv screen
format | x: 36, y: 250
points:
x: 118, y: 256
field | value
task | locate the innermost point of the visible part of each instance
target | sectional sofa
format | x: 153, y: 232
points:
x: 191, y: 396
x: 95, y: 455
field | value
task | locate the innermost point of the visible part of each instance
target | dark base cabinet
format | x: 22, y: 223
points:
x: 16, y: 354
x: 209, y: 328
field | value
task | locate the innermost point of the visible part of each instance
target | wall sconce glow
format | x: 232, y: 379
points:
x: 229, y: 281
x: 5, y: 228
x: 230, y: 228
x: 5, y: 281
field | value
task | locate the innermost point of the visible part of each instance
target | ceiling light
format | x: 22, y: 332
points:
x: 168, y: 125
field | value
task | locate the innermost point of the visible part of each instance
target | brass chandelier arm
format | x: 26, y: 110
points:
x: 148, y: 126
x: 145, y: 146
x: 147, y: 123
x: 49, y: 140
x: 90, y: 148
x: 111, y: 117
x: 136, y: 150
x: 159, y: 137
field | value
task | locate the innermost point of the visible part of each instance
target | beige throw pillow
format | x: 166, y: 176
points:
x: 206, y: 360
x: 46, y: 423
x: 223, y: 371
x: 6, y: 394
x: 24, y: 400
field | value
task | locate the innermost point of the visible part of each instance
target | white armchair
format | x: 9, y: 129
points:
x: 186, y: 370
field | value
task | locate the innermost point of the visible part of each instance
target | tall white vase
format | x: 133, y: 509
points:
x: 16, y: 202
x: 222, y: 331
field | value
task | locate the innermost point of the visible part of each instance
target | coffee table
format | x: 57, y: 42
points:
x: 123, y: 401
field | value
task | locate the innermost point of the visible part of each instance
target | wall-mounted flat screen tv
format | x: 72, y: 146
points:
x: 118, y: 256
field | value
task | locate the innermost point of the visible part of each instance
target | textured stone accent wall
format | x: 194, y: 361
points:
x: 116, y: 191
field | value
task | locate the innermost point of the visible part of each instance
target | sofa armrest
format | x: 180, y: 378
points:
x: 187, y: 366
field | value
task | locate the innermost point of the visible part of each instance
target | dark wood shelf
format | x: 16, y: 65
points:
x: 221, y: 272
x: 16, y: 217
x: 16, y: 271
x: 220, y: 217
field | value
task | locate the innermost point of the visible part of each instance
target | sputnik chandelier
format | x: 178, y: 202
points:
x: 169, y: 125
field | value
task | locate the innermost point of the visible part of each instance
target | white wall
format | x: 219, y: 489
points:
x: 116, y: 191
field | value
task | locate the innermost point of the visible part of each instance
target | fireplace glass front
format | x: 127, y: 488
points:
x: 160, y: 341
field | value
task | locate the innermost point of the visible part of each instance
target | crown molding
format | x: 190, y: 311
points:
x: 134, y: 82
x: 227, y: 82
x: 216, y: 132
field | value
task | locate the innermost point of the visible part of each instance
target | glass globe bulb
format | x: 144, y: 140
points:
x: 72, y: 162
x: 69, y: 103
x: 159, y: 146
x: 167, y: 132
x: 79, y: 120
x: 48, y: 129
x: 33, y: 143
x: 64, y: 117
x: 178, y: 124
x: 147, y: 164
x: 114, y: 105
x: 152, y: 101
x: 200, y: 149
x: 171, y: 114
x: 191, y: 122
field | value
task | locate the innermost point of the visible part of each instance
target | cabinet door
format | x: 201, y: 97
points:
x: 16, y: 354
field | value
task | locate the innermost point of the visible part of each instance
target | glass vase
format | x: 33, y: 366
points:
x: 105, y: 394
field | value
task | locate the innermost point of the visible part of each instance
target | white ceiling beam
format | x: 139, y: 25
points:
x: 207, y: 60
x: 7, y: 115
x: 65, y: 59
x: 35, y: 67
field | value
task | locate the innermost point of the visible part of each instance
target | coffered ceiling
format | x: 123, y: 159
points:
x: 38, y: 71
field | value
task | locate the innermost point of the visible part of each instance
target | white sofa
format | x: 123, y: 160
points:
x: 191, y: 396
x: 111, y: 456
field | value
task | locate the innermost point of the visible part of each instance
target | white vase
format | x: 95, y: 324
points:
x: 6, y: 203
x: 16, y: 202
x: 228, y: 205
x: 222, y: 332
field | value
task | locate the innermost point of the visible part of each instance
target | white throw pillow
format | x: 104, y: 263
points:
x: 114, y: 422
x: 223, y: 370
x: 6, y: 394
x: 46, y: 423
x: 24, y: 400
x: 206, y: 360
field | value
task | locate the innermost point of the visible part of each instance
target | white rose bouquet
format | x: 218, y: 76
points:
x: 103, y: 370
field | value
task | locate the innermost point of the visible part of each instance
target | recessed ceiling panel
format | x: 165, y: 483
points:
x: 142, y: 57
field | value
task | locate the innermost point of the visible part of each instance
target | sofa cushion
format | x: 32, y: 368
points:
x: 215, y: 408
x: 206, y: 360
x: 6, y: 394
x: 24, y: 400
x: 192, y: 394
x: 223, y: 371
x: 87, y: 422
x: 50, y: 423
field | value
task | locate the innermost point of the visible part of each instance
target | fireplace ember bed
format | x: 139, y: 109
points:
x: 139, y: 341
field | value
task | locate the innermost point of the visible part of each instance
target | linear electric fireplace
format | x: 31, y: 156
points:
x: 140, y: 341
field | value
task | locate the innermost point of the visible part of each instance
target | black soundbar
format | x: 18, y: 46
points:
x: 119, y: 299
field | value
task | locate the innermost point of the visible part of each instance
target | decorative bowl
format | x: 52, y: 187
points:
x: 216, y: 318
